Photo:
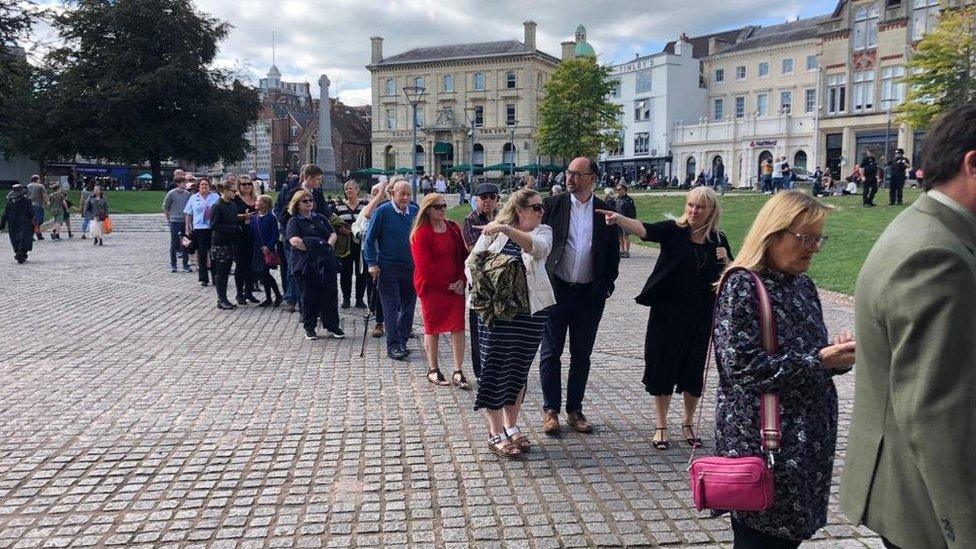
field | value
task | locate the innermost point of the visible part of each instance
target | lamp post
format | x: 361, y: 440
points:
x: 512, y: 126
x: 413, y: 95
x: 469, y: 113
x: 887, y: 158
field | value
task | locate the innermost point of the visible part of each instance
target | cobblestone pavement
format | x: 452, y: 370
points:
x: 133, y: 413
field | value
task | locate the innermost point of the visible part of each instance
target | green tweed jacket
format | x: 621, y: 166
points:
x: 910, y: 471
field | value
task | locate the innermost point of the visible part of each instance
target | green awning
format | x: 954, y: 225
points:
x: 441, y: 147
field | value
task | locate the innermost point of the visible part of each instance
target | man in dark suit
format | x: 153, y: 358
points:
x: 869, y: 175
x: 896, y: 177
x: 583, y: 268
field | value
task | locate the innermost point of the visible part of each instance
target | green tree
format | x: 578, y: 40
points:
x: 16, y: 21
x: 137, y: 84
x: 942, y: 73
x: 575, y: 117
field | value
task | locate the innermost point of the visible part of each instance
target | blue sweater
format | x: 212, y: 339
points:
x: 387, y: 239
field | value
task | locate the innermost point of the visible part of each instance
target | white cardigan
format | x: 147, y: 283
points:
x: 536, y: 277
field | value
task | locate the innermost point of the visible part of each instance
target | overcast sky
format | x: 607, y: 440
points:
x: 332, y: 36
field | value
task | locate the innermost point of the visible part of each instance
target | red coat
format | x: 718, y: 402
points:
x: 439, y: 262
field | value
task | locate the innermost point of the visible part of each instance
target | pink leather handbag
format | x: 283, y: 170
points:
x: 745, y: 483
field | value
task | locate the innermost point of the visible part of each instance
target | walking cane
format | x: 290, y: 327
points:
x: 370, y: 301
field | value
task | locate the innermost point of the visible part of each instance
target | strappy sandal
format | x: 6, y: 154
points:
x: 459, y: 381
x: 435, y: 377
x: 661, y: 444
x: 692, y: 441
x: 503, y: 447
x: 518, y: 438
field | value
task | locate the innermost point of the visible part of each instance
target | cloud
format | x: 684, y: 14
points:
x: 357, y: 97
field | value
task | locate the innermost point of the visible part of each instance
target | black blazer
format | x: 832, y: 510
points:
x: 606, y: 246
x: 675, y: 242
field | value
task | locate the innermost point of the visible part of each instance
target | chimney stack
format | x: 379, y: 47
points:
x: 569, y: 50
x: 377, y: 54
x: 529, y: 35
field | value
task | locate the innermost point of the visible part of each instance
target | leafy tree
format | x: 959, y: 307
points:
x: 16, y: 21
x: 942, y: 73
x: 575, y: 117
x: 137, y: 84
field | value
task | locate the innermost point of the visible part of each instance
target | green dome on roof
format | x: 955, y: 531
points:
x: 583, y: 48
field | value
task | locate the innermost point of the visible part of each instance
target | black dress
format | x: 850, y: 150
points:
x: 244, y: 268
x: 18, y: 219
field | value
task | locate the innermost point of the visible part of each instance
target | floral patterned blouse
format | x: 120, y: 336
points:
x: 808, y: 399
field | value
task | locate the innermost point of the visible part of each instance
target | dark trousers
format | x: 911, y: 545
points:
x: 349, y: 264
x: 870, y: 189
x: 176, y: 245
x: 221, y: 274
x: 576, y: 313
x: 475, y: 343
x: 203, y: 237
x: 373, y: 295
x: 269, y: 284
x: 749, y: 538
x: 320, y: 300
x: 767, y: 183
x: 243, y: 273
x: 399, y: 298
x: 895, y: 192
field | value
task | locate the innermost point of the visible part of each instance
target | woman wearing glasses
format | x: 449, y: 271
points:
x: 438, y: 255
x: 787, y: 233
x: 244, y: 274
x: 680, y: 292
x: 313, y: 263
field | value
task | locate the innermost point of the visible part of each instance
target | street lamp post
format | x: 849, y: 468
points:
x: 413, y: 95
x: 512, y: 126
x: 469, y: 115
x: 887, y: 157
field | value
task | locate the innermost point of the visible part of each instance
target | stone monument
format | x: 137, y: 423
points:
x: 325, y: 154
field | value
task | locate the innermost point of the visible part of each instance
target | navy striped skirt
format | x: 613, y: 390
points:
x: 507, y: 351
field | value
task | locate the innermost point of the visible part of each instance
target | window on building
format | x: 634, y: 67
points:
x: 479, y: 81
x: 642, y: 143
x: 615, y: 90
x: 642, y: 110
x: 390, y: 86
x: 891, y: 88
x: 718, y: 109
x: 510, y: 80
x: 618, y: 146
x: 391, y: 119
x: 448, y: 82
x: 836, y: 93
x: 510, y: 114
x: 809, y: 100
x: 643, y: 81
x: 762, y: 104
x: 866, y: 26
x: 764, y: 69
x: 479, y: 116
x: 740, y: 72
x: 419, y: 82
x: 786, y: 102
x: 740, y: 107
x: 787, y: 66
x: 925, y: 17
x: 719, y: 76
x: 863, y: 91
x: 812, y: 63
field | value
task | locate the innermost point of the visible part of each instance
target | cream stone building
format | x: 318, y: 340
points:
x: 761, y: 103
x: 494, y: 84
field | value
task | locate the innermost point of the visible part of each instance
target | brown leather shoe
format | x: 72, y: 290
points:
x: 550, y: 422
x: 578, y: 422
x: 378, y: 330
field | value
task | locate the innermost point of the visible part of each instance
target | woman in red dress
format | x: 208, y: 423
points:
x: 438, y: 276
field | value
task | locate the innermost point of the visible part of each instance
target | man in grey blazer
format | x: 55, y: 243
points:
x: 910, y: 473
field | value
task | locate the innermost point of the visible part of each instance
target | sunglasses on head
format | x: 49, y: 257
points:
x: 536, y: 207
x: 488, y: 196
x: 439, y: 207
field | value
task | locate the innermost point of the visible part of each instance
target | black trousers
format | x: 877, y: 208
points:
x: 870, y: 189
x: 203, y: 237
x: 749, y: 538
x: 373, y: 295
x: 475, y: 343
x: 349, y: 264
x: 895, y: 192
x: 221, y: 274
x: 269, y: 284
x: 243, y: 273
x: 319, y: 300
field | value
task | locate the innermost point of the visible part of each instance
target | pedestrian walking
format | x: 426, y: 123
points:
x: 351, y: 257
x: 583, y: 269
x: 386, y: 248
x: 869, y: 176
x: 310, y: 237
x: 509, y: 345
x: 487, y: 194
x: 265, y: 236
x: 197, y: 215
x: 680, y: 292
x: 909, y: 473
x: 86, y: 192
x: 787, y: 233
x: 18, y: 219
x: 778, y: 174
x: 174, y: 203
x: 97, y: 209
x: 246, y: 201
x: 897, y: 170
x: 59, y: 206
x: 438, y: 277
x: 718, y: 176
x: 625, y: 206
x: 39, y: 201
x: 766, y: 176
x: 226, y: 233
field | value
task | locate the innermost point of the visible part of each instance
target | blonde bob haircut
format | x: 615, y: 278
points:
x: 708, y: 197
x: 508, y: 214
x: 299, y: 195
x: 782, y: 211
x: 423, y: 214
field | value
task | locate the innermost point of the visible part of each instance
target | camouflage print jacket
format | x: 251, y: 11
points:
x: 498, y: 286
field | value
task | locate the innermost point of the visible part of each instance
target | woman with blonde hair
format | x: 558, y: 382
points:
x: 694, y: 252
x: 313, y: 263
x: 438, y: 255
x: 508, y: 347
x: 787, y: 233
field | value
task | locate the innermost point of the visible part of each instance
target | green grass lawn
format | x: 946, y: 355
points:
x: 121, y: 202
x: 852, y: 229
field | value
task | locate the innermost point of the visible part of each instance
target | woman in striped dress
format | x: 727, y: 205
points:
x: 509, y: 347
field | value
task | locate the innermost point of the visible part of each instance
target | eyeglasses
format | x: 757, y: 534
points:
x: 571, y: 173
x: 306, y: 201
x: 247, y: 184
x: 536, y: 207
x: 439, y: 207
x: 488, y: 196
x: 810, y: 241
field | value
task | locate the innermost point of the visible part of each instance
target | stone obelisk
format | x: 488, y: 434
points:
x: 325, y: 154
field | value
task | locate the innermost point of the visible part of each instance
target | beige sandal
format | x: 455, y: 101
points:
x: 518, y: 438
x: 503, y: 447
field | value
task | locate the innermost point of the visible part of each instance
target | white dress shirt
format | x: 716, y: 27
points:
x: 576, y: 265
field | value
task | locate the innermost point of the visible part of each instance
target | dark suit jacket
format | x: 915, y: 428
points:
x: 605, y: 248
x: 674, y: 241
